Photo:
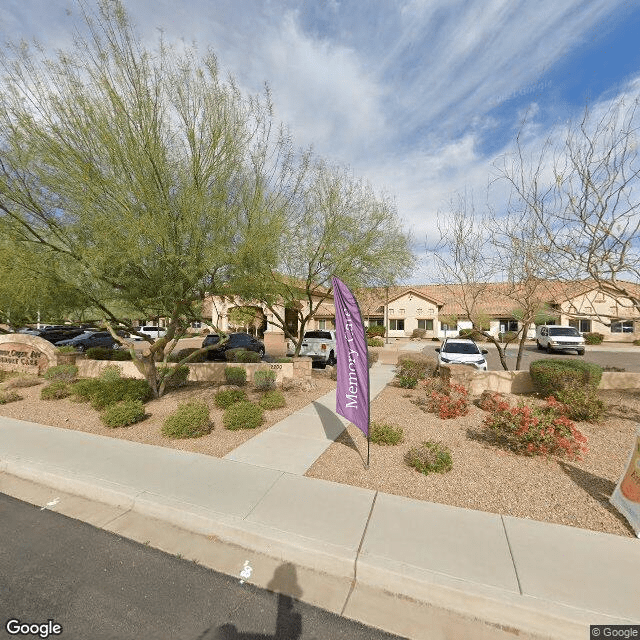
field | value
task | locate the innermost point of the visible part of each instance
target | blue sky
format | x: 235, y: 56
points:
x: 421, y: 97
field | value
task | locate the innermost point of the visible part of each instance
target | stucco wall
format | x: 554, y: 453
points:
x: 411, y: 307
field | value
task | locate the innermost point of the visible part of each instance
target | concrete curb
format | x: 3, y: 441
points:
x: 484, y: 612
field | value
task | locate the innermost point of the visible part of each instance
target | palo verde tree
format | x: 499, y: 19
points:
x: 148, y: 179
x: 336, y: 225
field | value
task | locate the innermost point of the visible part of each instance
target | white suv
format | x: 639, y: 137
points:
x: 152, y: 331
x: 553, y: 337
x: 462, y: 351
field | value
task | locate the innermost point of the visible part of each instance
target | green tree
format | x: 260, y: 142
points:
x: 144, y: 179
x: 337, y: 225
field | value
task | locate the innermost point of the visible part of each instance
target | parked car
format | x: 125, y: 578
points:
x: 88, y: 339
x: 58, y: 333
x: 236, y: 341
x: 557, y: 338
x: 152, y: 331
x: 462, y: 351
x: 320, y: 346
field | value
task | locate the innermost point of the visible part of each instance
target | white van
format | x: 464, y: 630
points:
x: 553, y: 337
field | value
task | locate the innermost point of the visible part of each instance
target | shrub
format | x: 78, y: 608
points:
x: 234, y: 355
x: 243, y: 415
x: 5, y: 375
x: 111, y: 372
x: 508, y: 336
x: 416, y: 366
x: 21, y: 381
x: 122, y: 414
x: 637, y: 343
x: 407, y: 382
x: 264, y: 380
x: 61, y: 373
x: 492, y: 400
x: 272, y: 400
x: 9, y: 396
x: 385, y: 434
x: 579, y: 403
x: 235, y: 375
x: 446, y: 399
x: 55, y: 391
x: 106, y: 393
x: 283, y: 360
x: 534, y: 431
x: 177, y: 379
x: 119, y: 355
x: 191, y: 420
x: 375, y: 342
x: 81, y: 390
x: 551, y: 376
x: 593, y: 338
x: 228, y: 397
x: 419, y: 333
x: 473, y: 334
x: 66, y: 349
x: 177, y: 356
x: 429, y: 457
x: 372, y: 358
x: 98, y: 353
x: 249, y: 356
x: 375, y: 331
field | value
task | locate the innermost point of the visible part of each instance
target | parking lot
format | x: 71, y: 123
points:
x: 624, y: 356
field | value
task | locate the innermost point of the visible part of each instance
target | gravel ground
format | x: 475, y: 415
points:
x: 483, y: 477
x: 68, y: 414
x: 487, y: 478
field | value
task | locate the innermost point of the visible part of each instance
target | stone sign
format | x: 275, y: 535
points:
x: 26, y: 353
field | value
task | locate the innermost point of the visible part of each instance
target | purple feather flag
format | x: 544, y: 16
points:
x: 352, y: 392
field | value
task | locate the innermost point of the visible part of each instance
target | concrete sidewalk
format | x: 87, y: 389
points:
x: 418, y: 569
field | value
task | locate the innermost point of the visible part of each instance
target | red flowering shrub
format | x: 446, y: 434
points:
x: 492, y: 401
x: 447, y: 400
x: 536, y: 431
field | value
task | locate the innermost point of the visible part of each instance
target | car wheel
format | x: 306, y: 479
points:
x: 115, y: 346
x: 539, y: 346
x: 261, y: 352
x: 80, y: 347
x: 581, y: 353
x: 332, y: 359
x: 549, y: 349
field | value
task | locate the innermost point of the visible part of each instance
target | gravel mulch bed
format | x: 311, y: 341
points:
x: 487, y: 478
x: 81, y: 416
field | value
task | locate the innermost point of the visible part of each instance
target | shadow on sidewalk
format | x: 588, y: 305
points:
x: 598, y: 488
x: 288, y: 620
x: 331, y: 424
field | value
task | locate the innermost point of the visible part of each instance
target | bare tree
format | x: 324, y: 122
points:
x: 583, y: 193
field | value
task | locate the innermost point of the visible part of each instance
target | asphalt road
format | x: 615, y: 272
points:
x: 625, y: 357
x: 101, y: 586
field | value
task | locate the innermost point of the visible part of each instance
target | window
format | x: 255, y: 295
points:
x: 419, y: 312
x: 401, y: 312
x: 508, y: 324
x: 622, y: 326
x: 425, y: 324
x: 599, y: 297
x: 196, y: 325
x: 581, y: 324
x: 391, y: 312
x: 379, y: 322
x: 322, y: 324
x: 396, y: 325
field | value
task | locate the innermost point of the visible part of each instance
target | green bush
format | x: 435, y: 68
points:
x: 473, y: 334
x: 122, y: 414
x: 21, y: 381
x: 264, y: 380
x: 241, y: 355
x: 375, y: 331
x: 175, y: 381
x: 283, y: 360
x: 375, y: 342
x: 385, y: 434
x: 272, y: 400
x: 61, y: 373
x: 508, y: 336
x: 429, y: 457
x: 243, y: 415
x: 235, y: 375
x: 551, y: 376
x: 228, y: 397
x: 113, y: 391
x: 419, y: 333
x: 593, y: 338
x: 177, y: 356
x: 637, y: 343
x: 191, y: 420
x: 55, y: 391
x: 82, y: 390
x: 413, y: 367
x: 9, y: 396
x: 66, y: 349
x: 111, y: 372
x: 5, y: 375
x: 102, y: 353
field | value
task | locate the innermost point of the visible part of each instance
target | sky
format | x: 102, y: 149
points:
x: 423, y: 98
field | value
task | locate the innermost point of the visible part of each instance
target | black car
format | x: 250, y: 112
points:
x: 88, y: 339
x: 236, y: 341
x: 56, y: 334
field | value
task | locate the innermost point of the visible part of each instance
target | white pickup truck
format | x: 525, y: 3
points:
x: 557, y: 338
x: 320, y: 346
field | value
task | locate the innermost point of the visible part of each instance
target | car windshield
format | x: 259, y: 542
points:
x: 563, y: 331
x: 85, y: 334
x: 460, y: 347
x: 323, y: 335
